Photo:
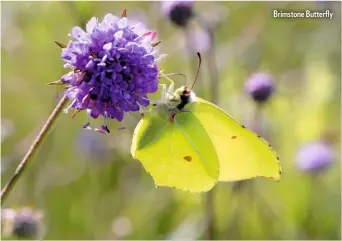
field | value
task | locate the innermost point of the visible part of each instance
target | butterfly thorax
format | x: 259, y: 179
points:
x: 175, y: 102
x: 180, y: 98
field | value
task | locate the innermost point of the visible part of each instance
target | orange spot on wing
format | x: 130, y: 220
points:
x: 187, y: 158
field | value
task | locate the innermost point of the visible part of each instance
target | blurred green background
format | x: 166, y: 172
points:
x: 88, y: 186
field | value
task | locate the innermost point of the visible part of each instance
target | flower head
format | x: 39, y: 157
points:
x: 7, y: 128
x: 92, y: 146
x: 179, y: 12
x: 260, y: 87
x: 113, y: 67
x: 314, y: 156
x: 26, y: 223
x: 201, y: 40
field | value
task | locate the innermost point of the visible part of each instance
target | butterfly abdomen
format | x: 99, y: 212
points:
x: 181, y: 105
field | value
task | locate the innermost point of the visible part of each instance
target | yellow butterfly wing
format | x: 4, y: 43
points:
x: 242, y: 153
x: 177, y: 154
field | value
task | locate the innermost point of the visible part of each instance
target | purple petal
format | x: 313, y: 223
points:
x: 92, y: 23
x: 77, y: 33
x: 110, y: 19
x: 152, y: 88
x: 107, y: 46
x: 143, y: 100
x: 122, y: 23
x: 94, y: 112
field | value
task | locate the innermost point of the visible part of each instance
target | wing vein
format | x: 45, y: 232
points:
x: 191, y: 143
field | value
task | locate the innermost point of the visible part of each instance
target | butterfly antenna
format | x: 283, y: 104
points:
x: 175, y: 74
x: 165, y: 76
x: 198, y: 68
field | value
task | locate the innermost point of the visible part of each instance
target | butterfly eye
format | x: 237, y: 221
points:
x: 186, y: 91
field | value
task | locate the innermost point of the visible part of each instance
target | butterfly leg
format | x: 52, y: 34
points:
x: 143, y: 111
x: 172, y: 84
x: 162, y: 99
x: 163, y: 92
x: 171, y: 88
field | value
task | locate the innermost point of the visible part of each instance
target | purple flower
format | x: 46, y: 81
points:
x: 179, y: 12
x: 92, y: 146
x: 201, y: 40
x: 113, y: 68
x: 7, y: 128
x: 314, y: 156
x: 26, y: 223
x: 260, y: 87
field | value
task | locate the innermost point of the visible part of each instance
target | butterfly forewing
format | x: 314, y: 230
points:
x: 242, y: 153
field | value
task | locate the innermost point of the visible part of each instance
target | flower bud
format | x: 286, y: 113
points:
x: 179, y: 12
x: 260, y: 87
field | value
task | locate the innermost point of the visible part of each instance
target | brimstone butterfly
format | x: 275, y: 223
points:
x: 188, y: 143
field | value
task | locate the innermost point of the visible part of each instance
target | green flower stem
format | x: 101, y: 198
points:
x: 212, y: 66
x: 33, y: 149
x: 210, y: 214
x: 213, y: 75
x: 257, y: 121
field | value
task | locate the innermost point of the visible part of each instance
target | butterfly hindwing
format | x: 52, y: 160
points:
x: 177, y: 154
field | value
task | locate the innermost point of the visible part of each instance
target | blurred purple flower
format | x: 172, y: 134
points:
x: 7, y: 128
x: 26, y: 223
x: 201, y: 40
x: 260, y: 87
x: 92, y: 145
x: 122, y: 227
x: 179, y: 12
x: 314, y: 156
x: 113, y: 68
x: 325, y: 4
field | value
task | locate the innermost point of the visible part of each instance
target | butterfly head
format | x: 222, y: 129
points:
x: 184, y: 95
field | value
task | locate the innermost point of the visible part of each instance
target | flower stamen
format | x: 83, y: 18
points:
x: 66, y: 110
x: 57, y: 82
x: 63, y: 46
x: 154, y: 44
x: 124, y: 13
x: 75, y: 113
